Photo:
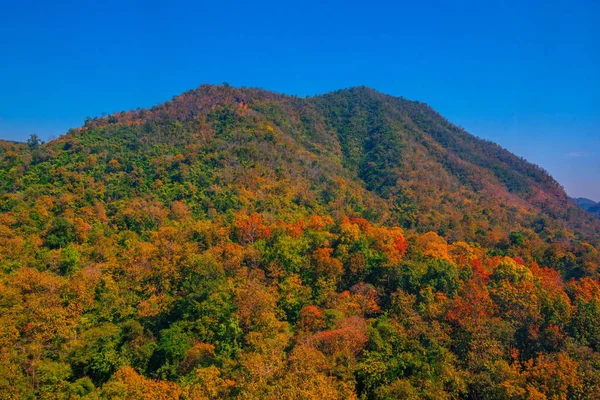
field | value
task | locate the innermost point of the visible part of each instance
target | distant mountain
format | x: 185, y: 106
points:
x: 588, y: 205
x: 585, y: 203
x: 240, y: 243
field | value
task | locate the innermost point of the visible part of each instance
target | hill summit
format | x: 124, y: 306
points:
x: 353, y: 151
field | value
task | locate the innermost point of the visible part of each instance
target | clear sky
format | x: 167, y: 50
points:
x: 521, y: 73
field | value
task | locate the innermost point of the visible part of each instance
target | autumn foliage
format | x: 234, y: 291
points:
x: 243, y: 244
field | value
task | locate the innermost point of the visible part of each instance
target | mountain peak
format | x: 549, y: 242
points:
x: 396, y: 152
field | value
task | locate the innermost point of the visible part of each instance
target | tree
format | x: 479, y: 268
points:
x: 34, y: 141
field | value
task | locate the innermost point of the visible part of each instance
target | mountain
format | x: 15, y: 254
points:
x: 412, y: 165
x: 244, y: 243
x: 585, y: 203
x: 588, y: 205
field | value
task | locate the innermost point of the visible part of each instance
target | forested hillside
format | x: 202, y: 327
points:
x: 238, y: 243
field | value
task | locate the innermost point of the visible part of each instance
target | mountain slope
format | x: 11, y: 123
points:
x: 242, y: 243
x: 434, y: 160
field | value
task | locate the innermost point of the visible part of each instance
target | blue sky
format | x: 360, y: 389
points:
x: 524, y: 74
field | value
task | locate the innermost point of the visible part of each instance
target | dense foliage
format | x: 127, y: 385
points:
x: 244, y: 244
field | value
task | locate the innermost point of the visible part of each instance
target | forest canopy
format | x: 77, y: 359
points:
x: 238, y: 243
